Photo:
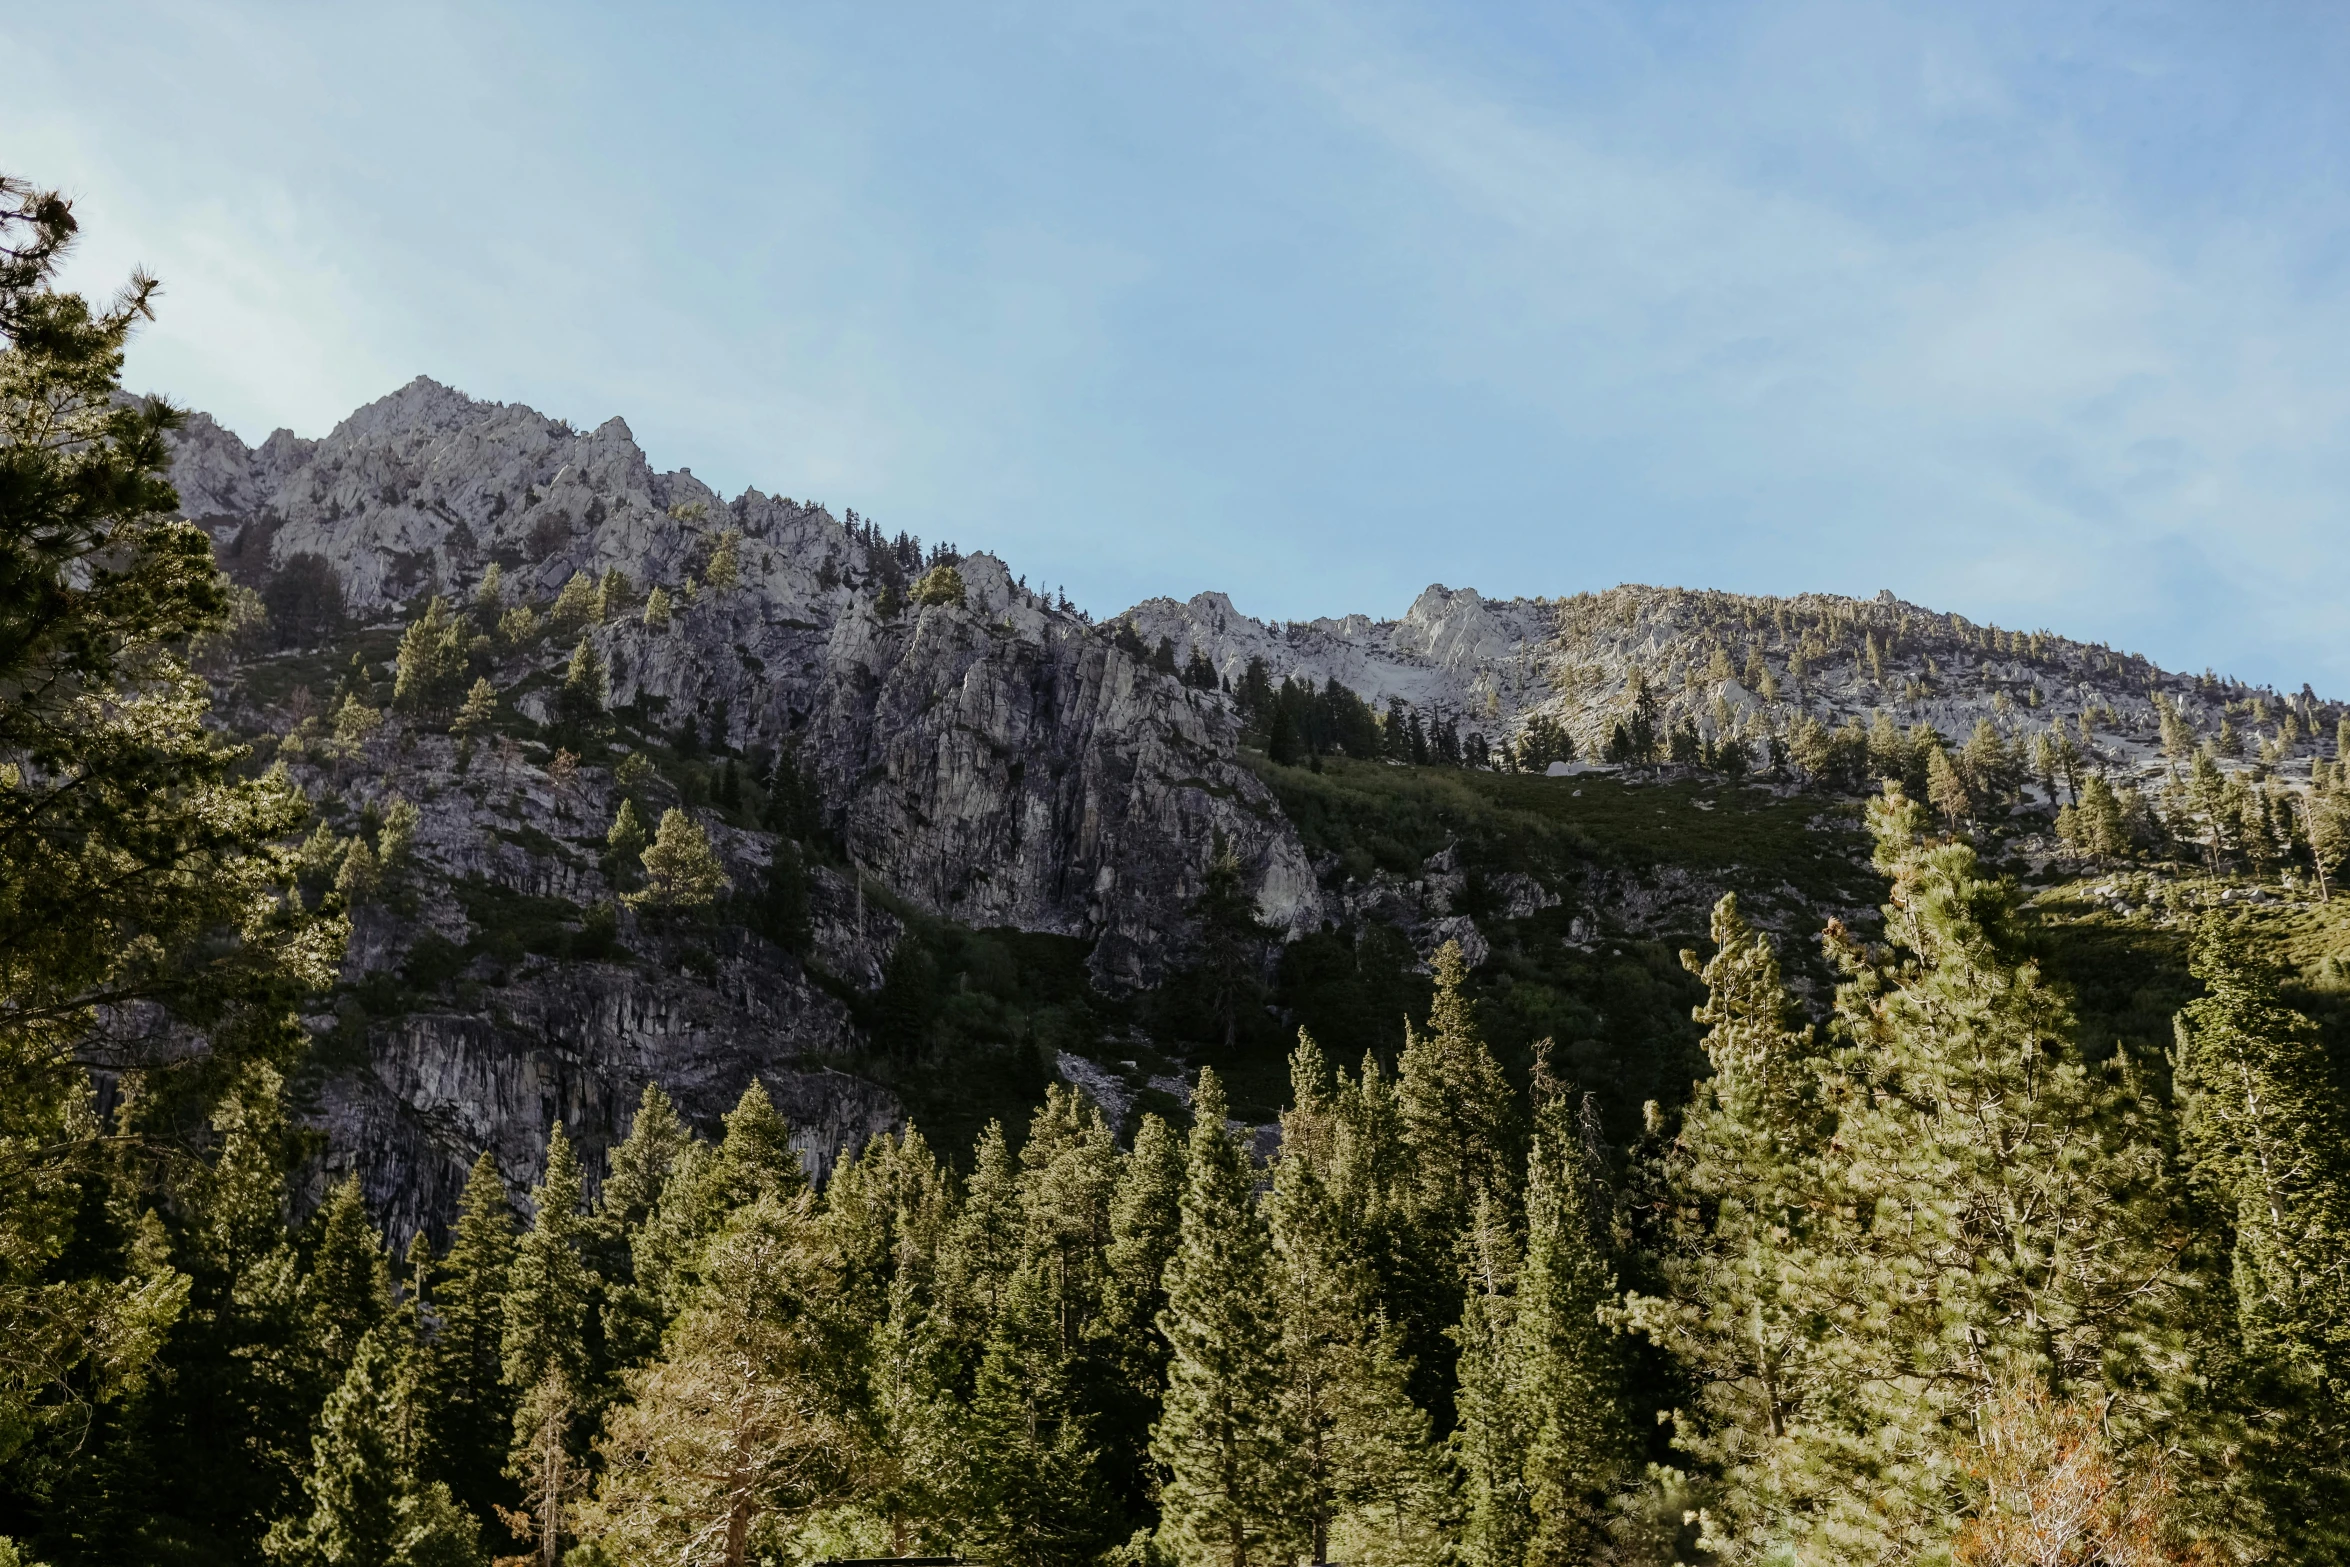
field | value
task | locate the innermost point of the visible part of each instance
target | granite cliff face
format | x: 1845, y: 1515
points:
x: 995, y: 762
x: 999, y: 762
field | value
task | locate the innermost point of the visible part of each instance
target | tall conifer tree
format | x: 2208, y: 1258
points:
x: 1219, y: 1438
x: 746, y: 1421
x: 982, y: 1251
x: 1033, y: 1481
x: 368, y: 1505
x: 1460, y: 1118
x: 470, y: 1420
x: 637, y: 1176
x: 140, y: 875
x: 1741, y: 1220
x: 1496, y: 1428
x: 549, y: 1302
x: 1579, y: 1450
x: 2266, y: 1138
x: 348, y: 1292
x: 1357, y: 1442
x: 1458, y: 1133
x: 1145, y: 1219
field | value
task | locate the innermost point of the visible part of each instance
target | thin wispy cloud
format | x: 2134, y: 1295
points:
x: 2041, y: 408
x: 2034, y: 313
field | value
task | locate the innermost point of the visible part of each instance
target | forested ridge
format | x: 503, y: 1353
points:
x: 1976, y: 1189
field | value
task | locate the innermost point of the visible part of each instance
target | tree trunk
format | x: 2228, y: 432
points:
x: 738, y: 1532
x: 551, y: 1521
x: 2316, y: 855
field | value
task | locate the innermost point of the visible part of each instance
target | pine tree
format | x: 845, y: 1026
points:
x: 1282, y: 746
x: 640, y: 1168
x: 360, y: 876
x: 576, y: 604
x: 2177, y: 738
x: 624, y: 842
x: 756, y: 1155
x: 548, y: 1289
x: 745, y: 1420
x: 1579, y: 1449
x: 1219, y: 1435
x: 724, y: 571
x: 681, y: 871
x: 982, y: 1252
x: 209, y: 1446
x: 1145, y: 1225
x: 795, y: 800
x: 1947, y: 788
x: 754, y: 1158
x: 1232, y: 940
x: 1741, y: 1223
x: 1068, y: 1175
x: 657, y: 609
x: 899, y: 1207
x: 2207, y: 798
x: 2266, y: 1137
x: 1037, y: 1483
x: 367, y: 1506
x: 637, y: 1177
x: 356, y: 727
x: 2010, y: 1192
x: 1495, y: 1433
x: 1390, y: 1471
x: 544, y: 1350
x: 579, y: 706
x: 2326, y: 827
x: 1459, y: 1116
x: 614, y: 591
x: 886, y: 1211
x: 471, y: 1411
x: 429, y: 669
x: 543, y: 1462
x: 941, y: 584
x: 1374, y: 1179
x: 479, y: 712
x: 2100, y: 830
x: 138, y: 871
x: 1358, y: 1444
x: 1030, y: 1486
x: 348, y: 1292
x: 396, y: 843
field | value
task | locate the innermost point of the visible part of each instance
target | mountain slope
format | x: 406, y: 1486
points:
x: 1735, y: 664
x: 967, y: 835
x: 992, y: 763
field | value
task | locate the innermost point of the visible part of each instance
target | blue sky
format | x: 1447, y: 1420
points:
x: 2036, y: 312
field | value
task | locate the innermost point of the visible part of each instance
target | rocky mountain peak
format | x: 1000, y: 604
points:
x: 948, y: 736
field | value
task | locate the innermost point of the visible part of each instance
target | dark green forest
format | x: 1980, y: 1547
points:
x: 1940, y: 1202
